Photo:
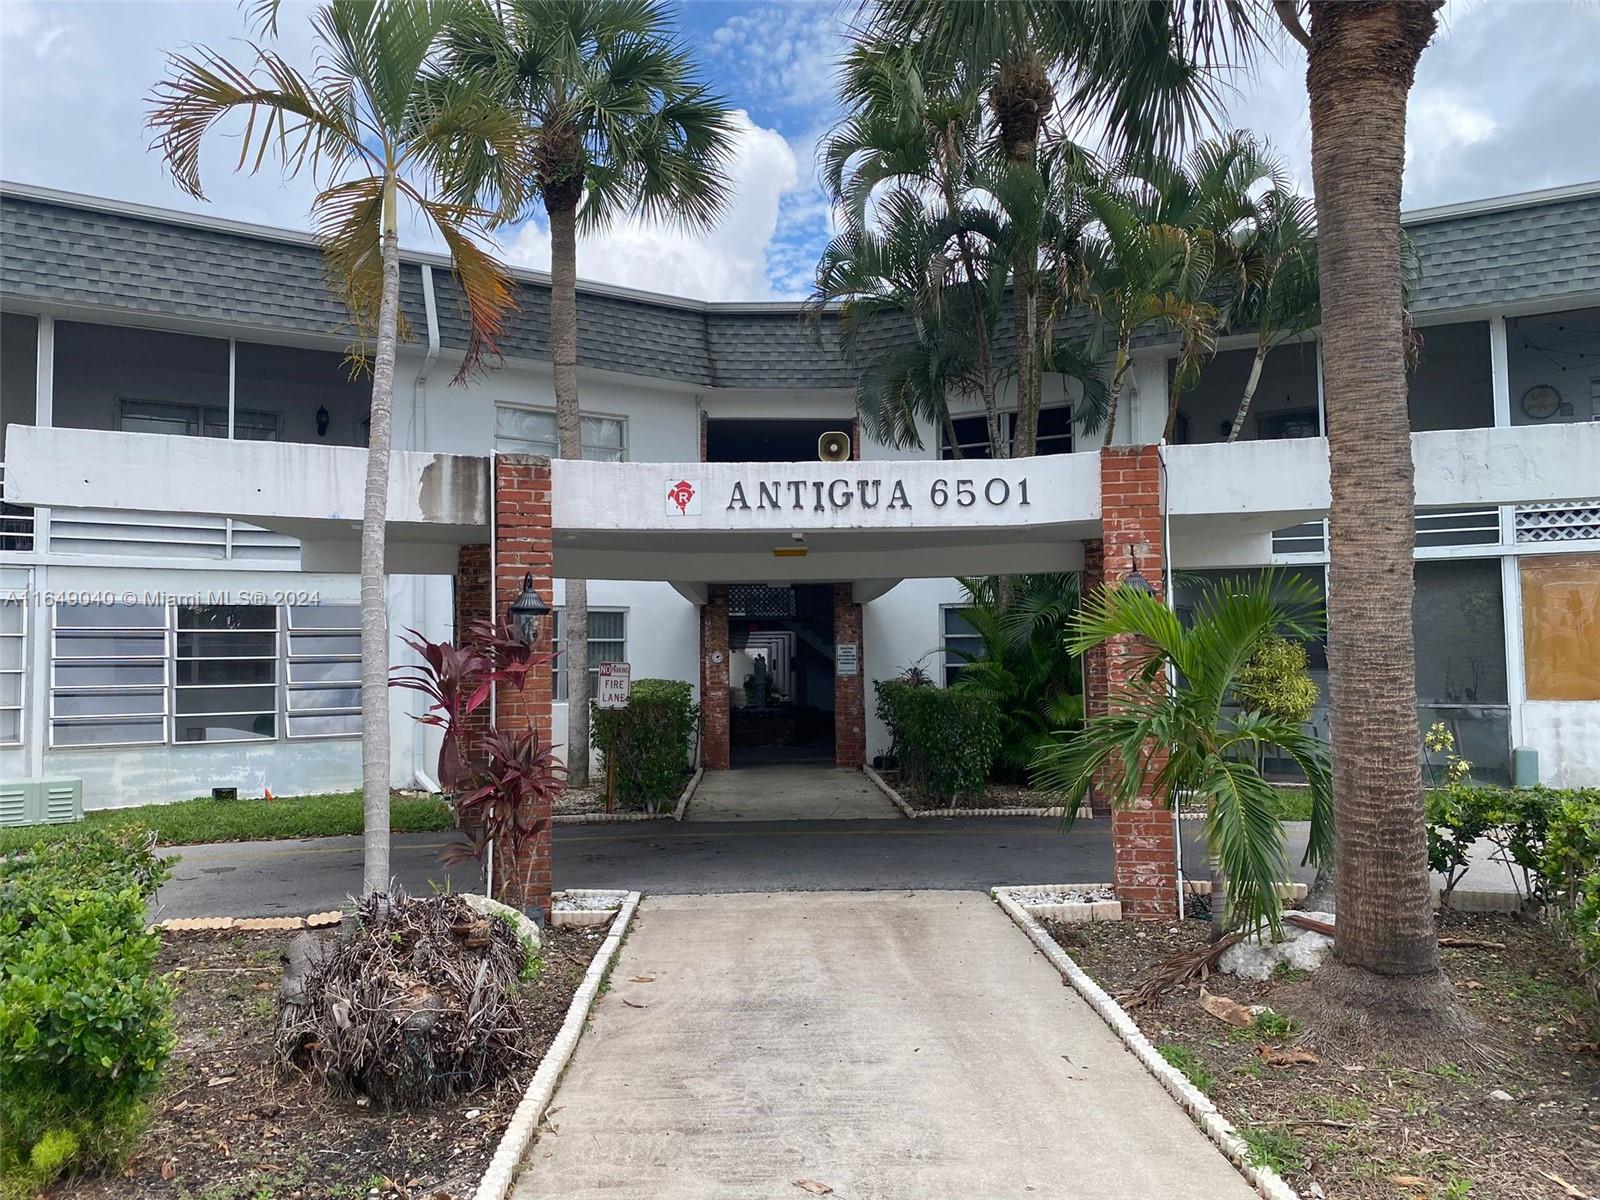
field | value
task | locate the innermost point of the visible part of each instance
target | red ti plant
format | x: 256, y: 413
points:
x: 499, y: 795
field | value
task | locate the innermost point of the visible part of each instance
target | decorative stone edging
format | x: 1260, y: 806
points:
x: 919, y: 814
x: 318, y: 920
x: 1072, y: 911
x: 1267, y: 1182
x: 581, y: 918
x: 616, y: 818
x: 1286, y: 891
x: 502, y: 1170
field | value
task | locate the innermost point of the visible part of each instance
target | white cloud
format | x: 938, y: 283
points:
x: 785, y: 52
x: 727, y: 262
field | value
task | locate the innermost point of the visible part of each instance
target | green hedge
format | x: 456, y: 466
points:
x: 648, y: 742
x: 85, y: 1020
x: 1549, y: 838
x: 944, y: 739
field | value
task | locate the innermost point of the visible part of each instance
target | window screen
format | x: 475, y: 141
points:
x: 324, y: 688
x: 972, y: 433
x: 225, y: 673
x: 533, y: 431
x: 1460, y: 632
x: 109, y: 675
x: 961, y: 642
x: 1561, y: 626
x: 608, y: 642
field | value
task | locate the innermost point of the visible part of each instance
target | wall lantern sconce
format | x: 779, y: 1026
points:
x: 322, y: 421
x: 1135, y: 578
x: 527, y: 613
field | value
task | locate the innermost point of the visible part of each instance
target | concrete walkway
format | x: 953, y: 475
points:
x: 905, y: 1046
x: 789, y: 792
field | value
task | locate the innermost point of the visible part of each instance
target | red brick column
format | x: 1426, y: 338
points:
x: 714, y: 656
x: 849, y: 691
x: 1145, y: 870
x: 523, y: 547
x: 473, y: 605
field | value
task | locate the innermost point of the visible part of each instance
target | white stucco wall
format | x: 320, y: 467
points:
x: 1567, y: 736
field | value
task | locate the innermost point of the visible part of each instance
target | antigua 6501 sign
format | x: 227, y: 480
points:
x: 838, y: 495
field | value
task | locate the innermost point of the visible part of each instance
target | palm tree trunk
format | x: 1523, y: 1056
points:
x: 1124, y: 360
x: 1249, y: 390
x: 374, y: 601
x: 569, y: 431
x: 1024, y: 274
x: 1362, y: 61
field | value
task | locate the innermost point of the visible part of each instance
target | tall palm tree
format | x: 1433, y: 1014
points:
x: 1144, y: 265
x: 1149, y: 71
x: 1179, y: 741
x: 619, y: 126
x: 376, y: 124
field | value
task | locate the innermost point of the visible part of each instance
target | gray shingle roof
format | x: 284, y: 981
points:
x: 63, y: 250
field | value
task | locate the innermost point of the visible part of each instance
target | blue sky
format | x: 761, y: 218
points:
x: 1504, y: 102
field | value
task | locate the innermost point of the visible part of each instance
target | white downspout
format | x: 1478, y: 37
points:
x: 419, y: 439
x: 1172, y: 682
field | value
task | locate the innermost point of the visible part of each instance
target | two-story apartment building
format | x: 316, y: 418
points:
x: 223, y: 537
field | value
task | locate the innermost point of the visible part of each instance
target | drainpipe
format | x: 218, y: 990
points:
x: 418, y: 439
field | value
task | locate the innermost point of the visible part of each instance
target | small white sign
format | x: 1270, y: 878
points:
x: 683, y: 498
x: 847, y: 658
x: 615, y: 682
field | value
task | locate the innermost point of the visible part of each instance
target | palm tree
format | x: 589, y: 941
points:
x: 1148, y: 70
x: 619, y: 126
x: 1024, y: 665
x: 932, y: 224
x: 376, y: 123
x: 1143, y: 266
x: 1280, y: 297
x: 1183, y: 740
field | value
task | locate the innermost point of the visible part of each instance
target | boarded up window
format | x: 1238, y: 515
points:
x: 1561, y: 626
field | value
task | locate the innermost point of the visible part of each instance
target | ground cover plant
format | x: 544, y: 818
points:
x: 1519, y: 1122
x: 85, y: 1025
x: 227, y: 1124
x: 248, y: 819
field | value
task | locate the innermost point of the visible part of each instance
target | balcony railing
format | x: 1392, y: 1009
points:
x: 16, y: 522
x: 1436, y: 527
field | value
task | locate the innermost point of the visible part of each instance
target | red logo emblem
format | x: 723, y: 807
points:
x: 680, y: 494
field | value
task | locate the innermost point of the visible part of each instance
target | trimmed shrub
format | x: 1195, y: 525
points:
x: 1571, y: 869
x: 85, y: 1021
x: 944, y: 739
x: 648, y: 742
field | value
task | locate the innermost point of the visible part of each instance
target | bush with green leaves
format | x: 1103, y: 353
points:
x: 944, y: 739
x: 85, y: 1020
x: 1458, y: 816
x: 648, y: 742
x: 1571, y: 873
x: 1023, y: 663
x: 1514, y: 820
x: 1277, y: 682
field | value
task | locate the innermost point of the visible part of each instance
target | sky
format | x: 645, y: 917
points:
x: 1506, y: 100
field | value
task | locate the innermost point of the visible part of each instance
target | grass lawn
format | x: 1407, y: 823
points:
x: 188, y: 822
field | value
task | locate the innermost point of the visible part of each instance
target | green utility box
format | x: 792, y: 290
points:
x: 41, y: 801
x: 1524, y: 767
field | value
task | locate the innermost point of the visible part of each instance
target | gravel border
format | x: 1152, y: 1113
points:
x: 1267, y: 1182
x: 502, y: 1169
x: 617, y: 818
x: 922, y: 814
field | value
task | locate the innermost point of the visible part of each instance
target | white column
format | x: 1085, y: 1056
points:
x: 1516, y: 682
x: 1500, y: 388
x: 36, y: 718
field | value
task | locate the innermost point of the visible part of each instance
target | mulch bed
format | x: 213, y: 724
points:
x: 995, y: 795
x: 1360, y: 1130
x: 591, y: 801
x: 228, y: 1125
